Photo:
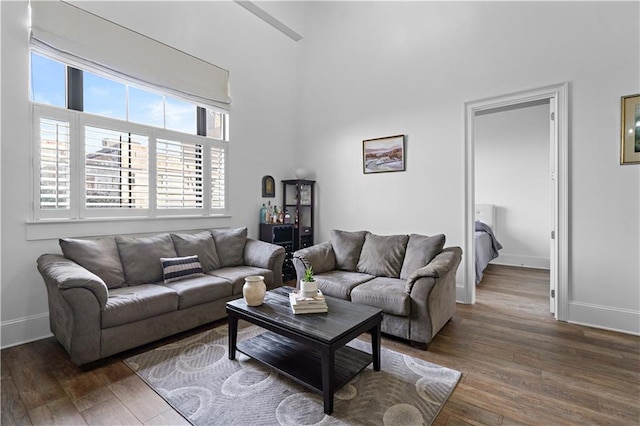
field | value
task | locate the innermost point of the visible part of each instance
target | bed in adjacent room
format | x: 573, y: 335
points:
x: 487, y: 245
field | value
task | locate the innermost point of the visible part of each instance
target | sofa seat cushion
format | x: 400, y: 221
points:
x: 198, y: 290
x: 340, y: 283
x: 237, y: 274
x: 135, y: 303
x: 388, y: 294
x: 382, y: 255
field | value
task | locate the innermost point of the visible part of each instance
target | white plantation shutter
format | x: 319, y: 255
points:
x: 217, y: 178
x: 116, y: 169
x: 55, y: 164
x: 179, y: 175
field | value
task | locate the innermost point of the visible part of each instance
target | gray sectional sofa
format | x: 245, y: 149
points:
x: 110, y: 294
x: 410, y: 277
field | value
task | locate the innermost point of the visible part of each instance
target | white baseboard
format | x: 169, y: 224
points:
x: 605, y: 317
x: 459, y: 294
x: 523, y: 261
x: 24, y: 330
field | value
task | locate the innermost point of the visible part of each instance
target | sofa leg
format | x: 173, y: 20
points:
x: 418, y: 345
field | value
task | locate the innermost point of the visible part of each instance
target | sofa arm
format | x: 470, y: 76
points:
x: 265, y: 255
x: 261, y: 254
x: 76, y: 299
x: 433, y: 295
x: 447, y: 259
x: 65, y: 274
x: 320, y: 257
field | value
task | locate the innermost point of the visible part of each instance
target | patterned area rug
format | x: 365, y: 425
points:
x: 196, y: 377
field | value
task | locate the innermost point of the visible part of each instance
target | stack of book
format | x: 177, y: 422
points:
x: 307, y: 305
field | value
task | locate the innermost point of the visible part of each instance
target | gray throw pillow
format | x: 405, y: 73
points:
x: 347, y: 247
x: 140, y: 257
x: 421, y: 250
x: 230, y: 245
x: 201, y: 245
x: 99, y: 256
x: 382, y: 256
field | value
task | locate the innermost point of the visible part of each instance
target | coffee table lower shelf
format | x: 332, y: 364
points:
x: 301, y: 363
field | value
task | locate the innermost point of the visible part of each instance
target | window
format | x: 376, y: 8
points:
x: 55, y: 162
x: 48, y: 81
x: 130, y: 151
x: 180, y: 116
x: 179, y: 175
x: 104, y: 97
x: 116, y: 169
x: 146, y: 107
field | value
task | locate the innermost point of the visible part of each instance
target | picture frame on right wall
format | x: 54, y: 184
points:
x: 630, y: 130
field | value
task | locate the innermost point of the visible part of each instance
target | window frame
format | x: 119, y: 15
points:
x: 78, y: 209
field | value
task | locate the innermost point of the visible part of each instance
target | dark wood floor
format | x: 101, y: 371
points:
x: 519, y: 366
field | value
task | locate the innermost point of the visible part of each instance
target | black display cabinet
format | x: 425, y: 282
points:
x: 282, y: 235
x: 298, y: 202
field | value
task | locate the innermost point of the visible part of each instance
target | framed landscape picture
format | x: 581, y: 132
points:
x: 383, y: 154
x: 630, y: 129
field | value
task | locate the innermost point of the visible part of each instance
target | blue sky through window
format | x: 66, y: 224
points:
x: 180, y: 116
x: 108, y: 98
x: 146, y: 107
x: 48, y: 81
x: 104, y: 97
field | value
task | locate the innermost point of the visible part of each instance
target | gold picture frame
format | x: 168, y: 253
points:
x: 630, y: 130
x: 383, y: 155
x: 268, y: 187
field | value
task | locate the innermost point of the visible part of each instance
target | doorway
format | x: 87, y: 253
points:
x: 557, y: 96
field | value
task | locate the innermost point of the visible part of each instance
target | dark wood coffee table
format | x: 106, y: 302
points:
x: 308, y: 348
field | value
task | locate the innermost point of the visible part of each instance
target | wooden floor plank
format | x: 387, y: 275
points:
x: 58, y: 412
x: 520, y: 366
x: 13, y: 409
x: 110, y: 413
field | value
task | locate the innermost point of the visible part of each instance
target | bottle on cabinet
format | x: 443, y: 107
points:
x: 263, y: 214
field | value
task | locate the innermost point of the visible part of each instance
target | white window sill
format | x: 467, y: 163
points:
x: 48, y: 229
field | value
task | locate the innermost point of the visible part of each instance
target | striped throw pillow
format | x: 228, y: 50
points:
x: 179, y: 268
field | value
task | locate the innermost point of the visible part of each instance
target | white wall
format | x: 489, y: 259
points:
x: 372, y: 69
x: 365, y: 70
x: 262, y: 65
x: 512, y: 149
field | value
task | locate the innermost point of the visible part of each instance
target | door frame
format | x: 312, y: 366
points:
x: 557, y: 95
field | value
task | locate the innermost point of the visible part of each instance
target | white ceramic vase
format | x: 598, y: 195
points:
x: 302, y: 173
x: 253, y: 290
x: 308, y: 289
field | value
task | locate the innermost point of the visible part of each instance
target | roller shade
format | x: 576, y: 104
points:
x: 95, y: 44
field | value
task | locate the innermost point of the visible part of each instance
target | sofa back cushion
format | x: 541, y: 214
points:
x: 201, y: 245
x: 421, y: 250
x: 230, y: 245
x: 140, y: 257
x: 347, y: 247
x: 99, y: 256
x: 382, y: 256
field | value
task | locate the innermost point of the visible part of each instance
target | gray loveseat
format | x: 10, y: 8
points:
x: 410, y: 277
x: 107, y: 295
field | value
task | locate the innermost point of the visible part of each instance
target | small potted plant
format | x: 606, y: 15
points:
x: 308, y: 285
